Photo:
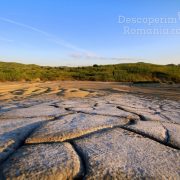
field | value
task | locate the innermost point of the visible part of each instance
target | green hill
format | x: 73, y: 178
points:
x: 131, y: 72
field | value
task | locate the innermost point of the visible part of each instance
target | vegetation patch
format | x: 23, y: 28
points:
x: 131, y: 72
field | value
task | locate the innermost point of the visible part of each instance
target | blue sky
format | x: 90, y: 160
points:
x: 85, y: 32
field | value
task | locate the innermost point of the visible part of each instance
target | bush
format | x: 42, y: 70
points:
x: 132, y: 72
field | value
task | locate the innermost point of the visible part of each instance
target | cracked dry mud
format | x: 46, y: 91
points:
x: 117, y: 136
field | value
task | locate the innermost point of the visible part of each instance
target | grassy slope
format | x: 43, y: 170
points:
x: 132, y: 72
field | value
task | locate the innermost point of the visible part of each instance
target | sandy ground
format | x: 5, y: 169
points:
x: 69, y: 89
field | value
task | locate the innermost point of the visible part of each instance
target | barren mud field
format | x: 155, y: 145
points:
x: 89, y: 130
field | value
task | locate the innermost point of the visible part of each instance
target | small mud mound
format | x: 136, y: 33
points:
x: 72, y: 92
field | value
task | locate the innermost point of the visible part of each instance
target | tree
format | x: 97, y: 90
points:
x: 95, y: 65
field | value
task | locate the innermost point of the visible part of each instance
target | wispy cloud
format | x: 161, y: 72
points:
x: 92, y: 56
x: 5, y: 39
x: 84, y: 55
x: 50, y: 37
x: 24, y: 26
x: 78, y: 53
x: 67, y: 45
